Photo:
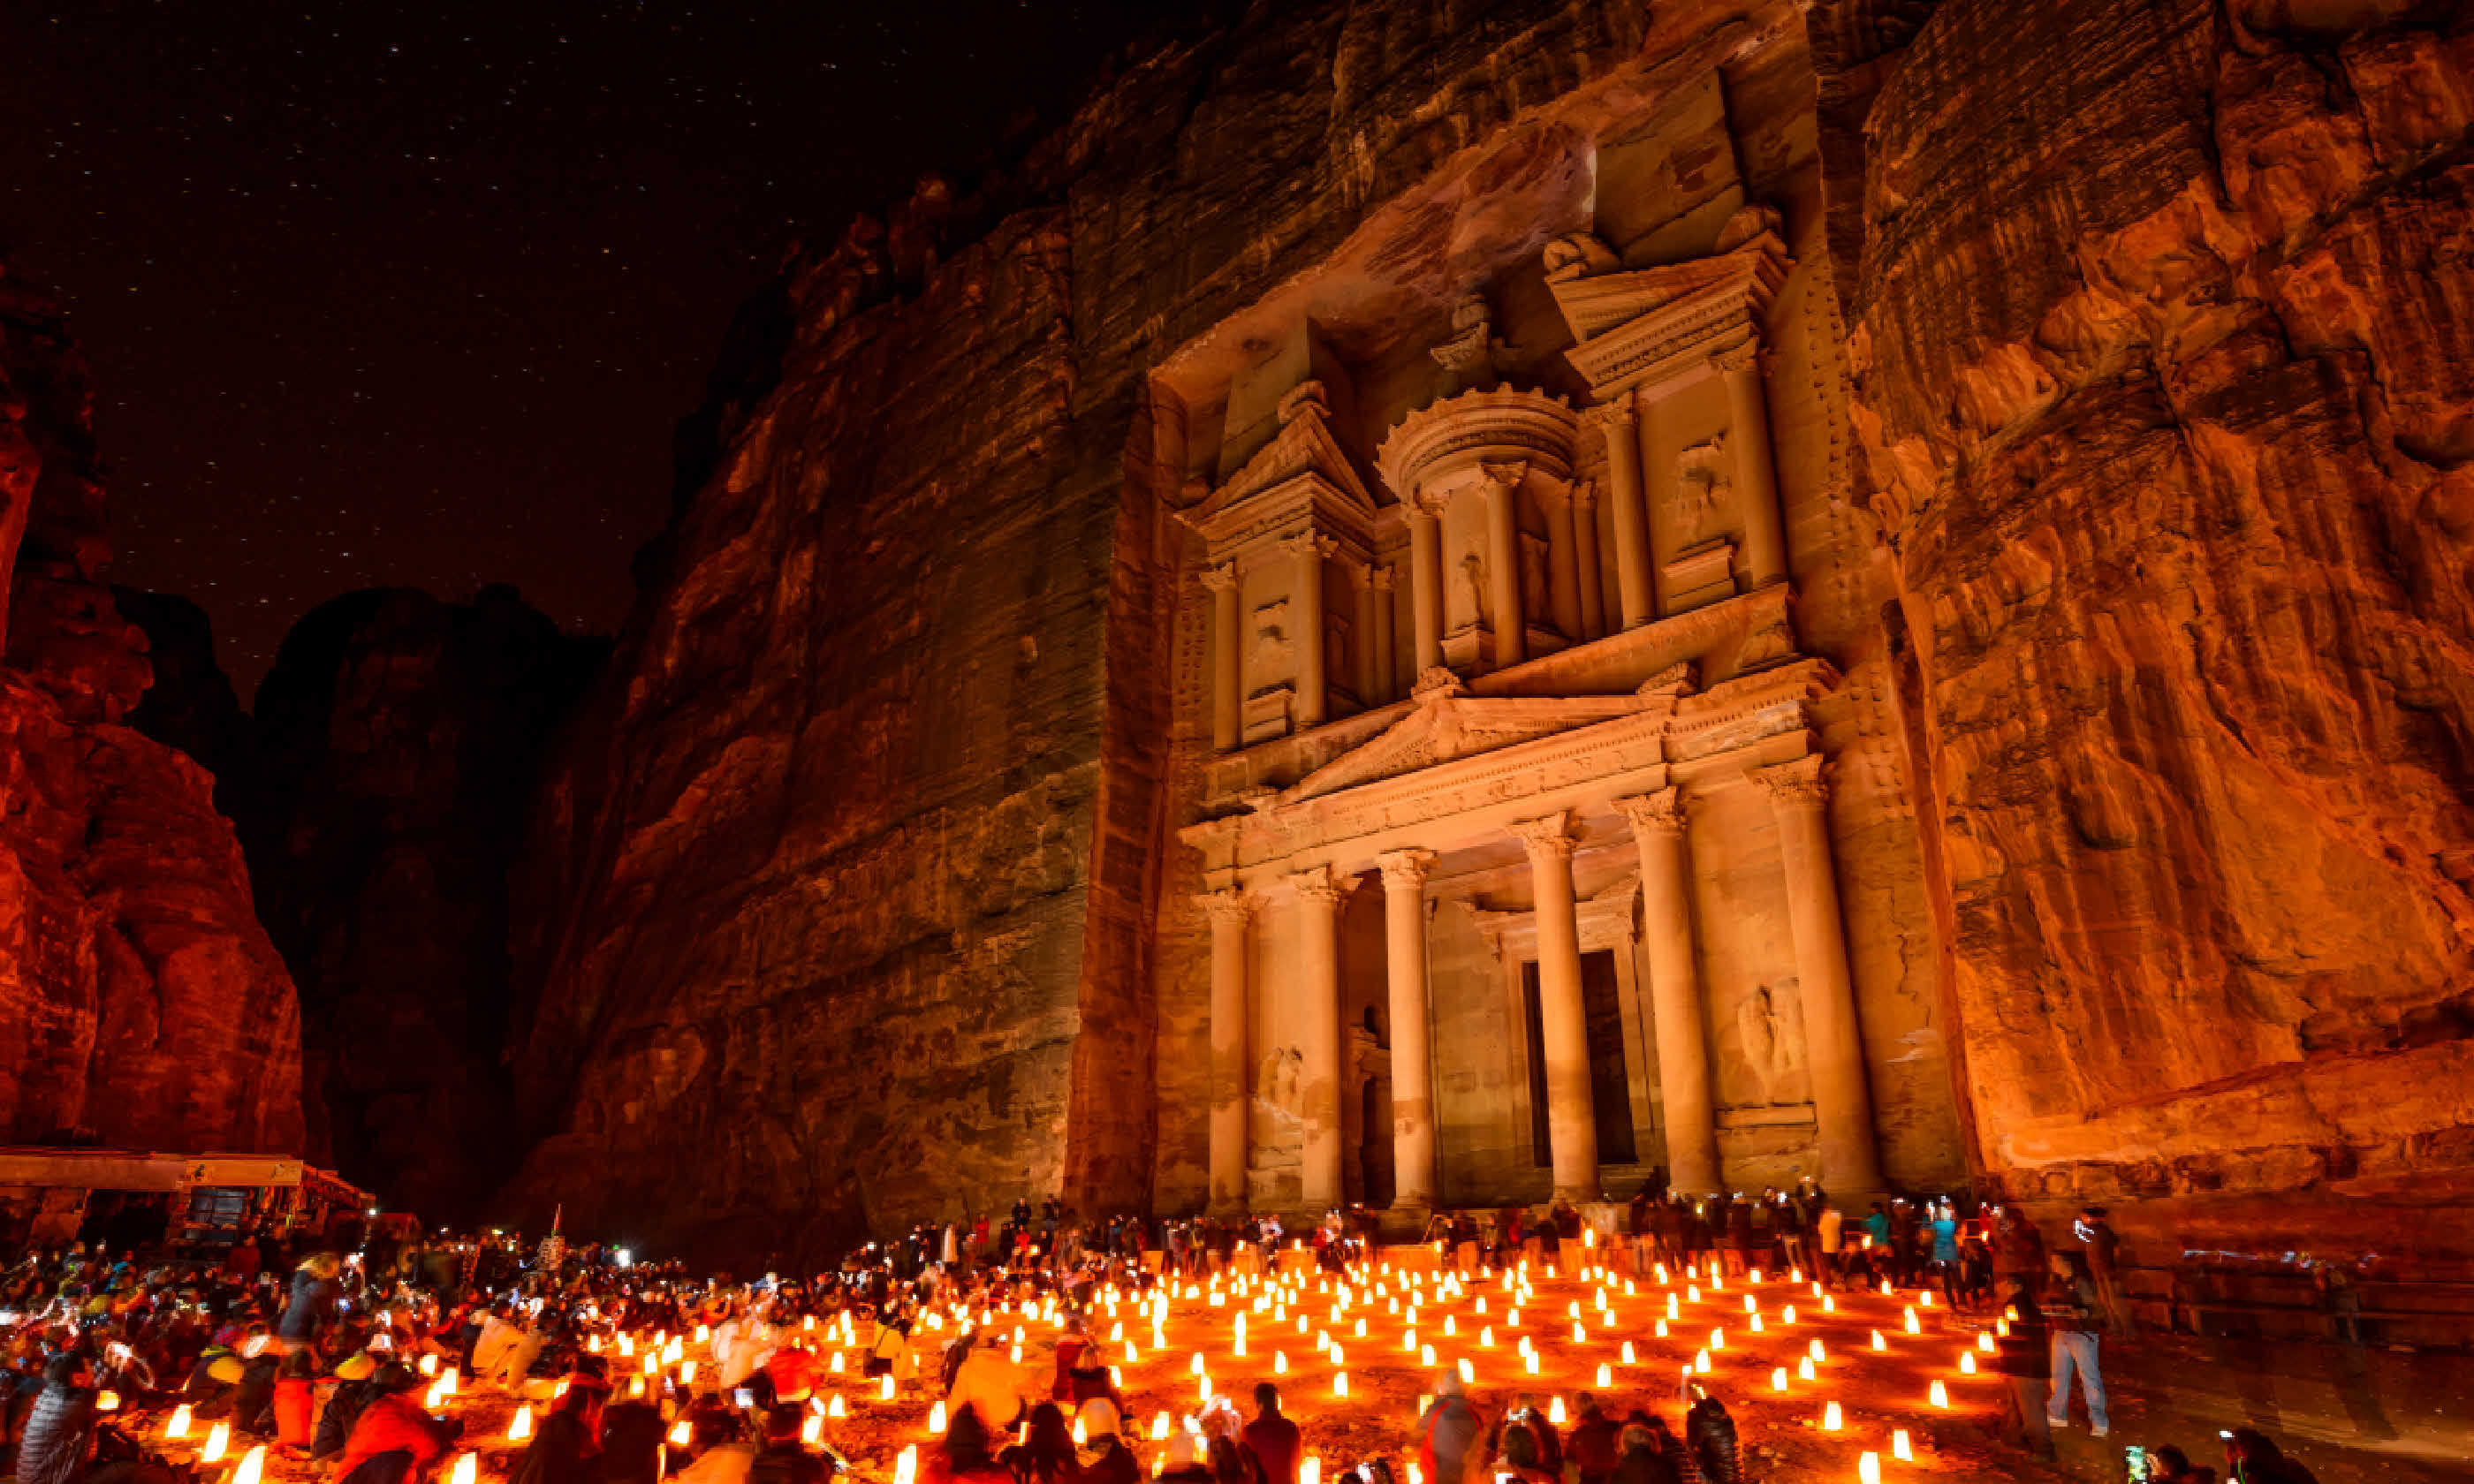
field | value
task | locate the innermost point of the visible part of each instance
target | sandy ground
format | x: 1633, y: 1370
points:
x: 1782, y: 1431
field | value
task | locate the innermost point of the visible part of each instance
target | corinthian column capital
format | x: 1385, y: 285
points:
x: 1797, y: 784
x: 1546, y: 836
x: 1319, y: 885
x: 1230, y: 908
x: 1405, y: 870
x: 1609, y: 417
x: 1308, y: 545
x: 1221, y: 578
x: 1654, y: 815
x: 1504, y: 474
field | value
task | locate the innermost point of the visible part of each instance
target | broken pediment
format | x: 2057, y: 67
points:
x: 1303, y: 458
x: 1449, y: 725
x: 1647, y: 324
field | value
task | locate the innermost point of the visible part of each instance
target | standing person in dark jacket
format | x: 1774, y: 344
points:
x: 2073, y: 1310
x: 312, y: 1305
x: 2103, y: 1250
x: 60, y: 1434
x: 2024, y: 1357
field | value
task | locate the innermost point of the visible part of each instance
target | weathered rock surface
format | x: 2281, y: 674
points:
x: 2120, y: 411
x: 2162, y: 321
x: 397, y: 747
x: 141, y: 1002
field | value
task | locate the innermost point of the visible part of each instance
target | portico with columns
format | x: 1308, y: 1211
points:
x: 1514, y: 834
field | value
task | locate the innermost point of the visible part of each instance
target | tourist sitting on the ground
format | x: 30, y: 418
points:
x: 394, y: 1441
x: 1648, y: 1458
x: 2169, y: 1465
x: 562, y: 1448
x: 1592, y: 1447
x: 1181, y: 1460
x: 59, y: 1432
x: 966, y: 1455
x: 786, y: 1457
x: 296, y: 1400
x: 353, y: 1391
x: 1045, y: 1455
x: 1274, y: 1438
x: 631, y: 1444
x: 986, y: 1383
x: 2252, y: 1457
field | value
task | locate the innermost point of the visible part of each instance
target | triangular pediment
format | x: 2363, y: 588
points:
x: 1305, y: 447
x: 1449, y: 726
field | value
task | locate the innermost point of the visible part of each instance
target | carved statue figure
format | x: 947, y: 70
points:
x: 1278, y: 1082
x: 1472, y: 575
x: 1270, y: 659
x: 1763, y: 1035
x: 1702, y: 485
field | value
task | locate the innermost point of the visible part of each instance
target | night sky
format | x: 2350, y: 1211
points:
x: 414, y: 295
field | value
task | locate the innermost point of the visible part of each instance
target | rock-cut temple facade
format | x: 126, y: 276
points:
x: 1515, y: 836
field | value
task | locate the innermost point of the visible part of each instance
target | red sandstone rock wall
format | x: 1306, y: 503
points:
x: 849, y: 882
x: 2163, y: 327
x: 141, y: 1002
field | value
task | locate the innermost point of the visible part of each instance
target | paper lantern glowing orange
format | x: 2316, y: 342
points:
x: 521, y: 1425
x: 1868, y: 1469
x: 253, y: 1465
x: 1778, y: 1379
x: 466, y: 1471
x: 1830, y: 1421
x: 905, y: 1468
x: 179, y: 1424
x: 1899, y: 1448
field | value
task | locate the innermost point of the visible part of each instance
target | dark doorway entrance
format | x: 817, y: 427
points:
x: 1609, y: 1078
x: 1375, y: 1145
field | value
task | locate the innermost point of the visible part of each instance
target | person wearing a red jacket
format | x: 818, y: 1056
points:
x: 395, y: 1424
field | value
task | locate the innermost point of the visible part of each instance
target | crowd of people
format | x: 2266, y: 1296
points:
x: 325, y: 1356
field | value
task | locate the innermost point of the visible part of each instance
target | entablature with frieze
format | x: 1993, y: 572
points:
x: 1755, y: 721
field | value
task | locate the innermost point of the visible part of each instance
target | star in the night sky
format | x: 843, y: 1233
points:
x: 384, y: 295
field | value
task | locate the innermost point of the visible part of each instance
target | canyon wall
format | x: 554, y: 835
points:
x: 141, y: 1004
x: 2163, y: 336
x: 2123, y: 445
x: 851, y: 877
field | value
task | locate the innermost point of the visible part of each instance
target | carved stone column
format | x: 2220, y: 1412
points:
x: 1413, y: 1092
x: 1562, y: 1015
x: 1362, y: 636
x: 1426, y: 582
x: 1314, y: 688
x: 1317, y: 893
x: 1585, y: 553
x: 1636, y: 597
x: 1675, y: 990
x: 1842, y: 1099
x: 1563, y: 563
x: 1503, y: 561
x: 1227, y: 660
x: 1755, y: 470
x: 1385, y: 688
x: 1232, y: 1050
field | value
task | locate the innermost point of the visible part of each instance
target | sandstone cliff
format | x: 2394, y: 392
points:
x: 141, y: 1002
x: 2161, y: 326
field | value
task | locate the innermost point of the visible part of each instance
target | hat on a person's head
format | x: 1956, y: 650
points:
x: 357, y: 1368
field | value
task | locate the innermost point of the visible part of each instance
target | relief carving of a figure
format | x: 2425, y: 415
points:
x: 1702, y: 485
x: 1771, y: 1044
x: 1277, y: 1084
x: 1472, y: 572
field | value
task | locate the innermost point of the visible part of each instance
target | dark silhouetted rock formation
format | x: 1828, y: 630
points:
x: 398, y: 741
